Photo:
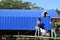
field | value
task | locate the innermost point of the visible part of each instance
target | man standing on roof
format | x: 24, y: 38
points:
x: 46, y: 20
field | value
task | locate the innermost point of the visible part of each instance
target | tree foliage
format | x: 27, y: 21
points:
x: 58, y: 11
x: 18, y: 4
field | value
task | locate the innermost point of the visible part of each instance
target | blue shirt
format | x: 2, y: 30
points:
x: 46, y: 21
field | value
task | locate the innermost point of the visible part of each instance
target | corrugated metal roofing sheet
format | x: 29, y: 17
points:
x: 21, y: 19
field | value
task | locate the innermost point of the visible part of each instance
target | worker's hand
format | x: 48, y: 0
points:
x: 50, y: 22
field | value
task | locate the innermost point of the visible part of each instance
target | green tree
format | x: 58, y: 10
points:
x: 34, y: 7
x: 18, y: 4
x: 58, y: 11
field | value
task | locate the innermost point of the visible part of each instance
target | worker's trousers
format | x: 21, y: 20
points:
x: 37, y: 32
x: 53, y: 33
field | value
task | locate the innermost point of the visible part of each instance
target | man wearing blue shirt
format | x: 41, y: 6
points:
x: 46, y: 20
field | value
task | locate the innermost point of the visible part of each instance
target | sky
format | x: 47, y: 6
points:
x: 47, y: 4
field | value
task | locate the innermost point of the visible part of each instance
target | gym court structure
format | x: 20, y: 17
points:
x: 23, y: 22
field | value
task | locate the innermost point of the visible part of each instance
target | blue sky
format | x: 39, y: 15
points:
x: 48, y: 4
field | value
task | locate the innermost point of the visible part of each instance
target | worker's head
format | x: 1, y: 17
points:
x: 45, y: 14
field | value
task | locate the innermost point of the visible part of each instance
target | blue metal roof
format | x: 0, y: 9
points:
x: 21, y: 13
x: 21, y: 19
x: 26, y: 13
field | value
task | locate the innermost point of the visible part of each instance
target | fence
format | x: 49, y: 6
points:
x: 28, y: 37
